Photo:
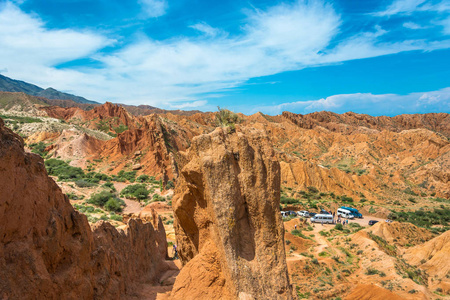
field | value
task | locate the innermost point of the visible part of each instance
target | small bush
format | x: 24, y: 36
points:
x: 346, y: 199
x: 138, y: 191
x: 142, y: 178
x: 130, y: 176
x: 170, y: 185
x: 225, y: 117
x: 107, y: 200
x: 109, y: 185
x: 82, y: 183
x: 411, y: 199
x: 312, y: 189
x: 116, y: 217
x: 114, y: 204
x: 371, y: 271
x: 339, y: 226
x: 39, y: 148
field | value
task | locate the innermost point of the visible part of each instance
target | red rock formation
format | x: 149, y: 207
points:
x: 349, y: 122
x: 112, y: 113
x: 227, y: 221
x: 48, y: 250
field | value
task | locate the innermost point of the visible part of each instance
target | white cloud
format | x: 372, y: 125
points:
x: 367, y: 103
x: 412, y: 25
x: 154, y: 8
x: 190, y: 105
x: 446, y: 25
x: 207, y: 29
x: 410, y: 6
x: 25, y: 37
x: 401, y: 6
x: 166, y: 72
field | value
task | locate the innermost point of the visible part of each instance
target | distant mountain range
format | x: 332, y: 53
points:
x: 50, y: 96
x: 11, y: 85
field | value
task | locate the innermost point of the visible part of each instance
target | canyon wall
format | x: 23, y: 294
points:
x: 48, y: 250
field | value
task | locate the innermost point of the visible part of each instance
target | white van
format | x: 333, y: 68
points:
x: 319, y: 218
x: 344, y: 213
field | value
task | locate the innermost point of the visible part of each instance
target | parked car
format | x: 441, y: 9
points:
x: 324, y: 212
x: 353, y: 211
x: 292, y: 213
x: 372, y: 222
x: 303, y: 213
x: 322, y: 218
x: 311, y: 214
x: 344, y: 213
x: 284, y: 214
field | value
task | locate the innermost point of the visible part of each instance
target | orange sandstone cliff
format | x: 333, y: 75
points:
x: 227, y: 220
x: 48, y: 250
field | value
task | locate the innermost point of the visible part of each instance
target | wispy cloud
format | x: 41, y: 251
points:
x: 412, y: 25
x: 206, y: 29
x: 401, y: 6
x: 190, y: 105
x: 410, y: 6
x: 446, y: 25
x: 367, y: 103
x: 154, y: 8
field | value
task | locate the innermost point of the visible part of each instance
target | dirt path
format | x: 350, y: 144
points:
x: 132, y: 206
x: 162, y: 289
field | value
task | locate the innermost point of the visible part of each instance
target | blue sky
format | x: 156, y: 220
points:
x: 383, y: 57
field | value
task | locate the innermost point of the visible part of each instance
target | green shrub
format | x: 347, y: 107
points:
x: 371, y: 271
x: 130, y: 176
x: 142, y: 178
x: 287, y: 200
x: 225, y: 117
x: 312, y: 189
x: 339, y: 226
x: 138, y: 191
x: 157, y: 198
x: 92, y: 219
x: 170, y: 185
x: 114, y: 204
x: 347, y: 199
x: 424, y: 218
x: 82, y: 183
x: 63, y: 170
x: 39, y: 148
x: 411, y: 199
x: 72, y: 196
x: 121, y: 128
x: 298, y: 233
x: 109, y: 185
x: 116, y: 217
x: 409, y: 191
x: 107, y: 200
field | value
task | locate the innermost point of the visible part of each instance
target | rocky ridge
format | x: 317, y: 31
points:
x: 47, y: 249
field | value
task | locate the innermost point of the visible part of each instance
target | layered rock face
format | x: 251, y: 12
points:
x: 227, y: 221
x: 349, y: 122
x: 48, y: 250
